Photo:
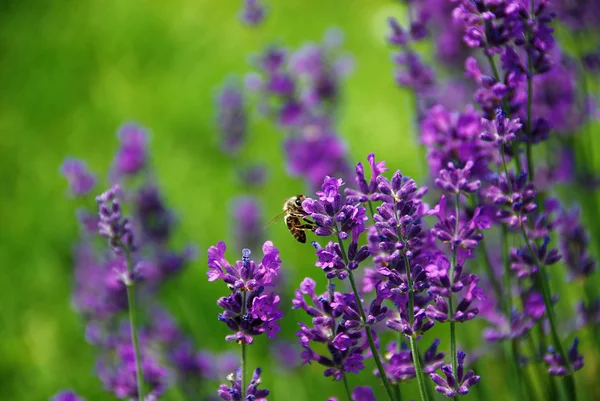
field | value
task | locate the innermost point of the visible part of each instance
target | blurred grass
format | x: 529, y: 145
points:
x: 72, y: 71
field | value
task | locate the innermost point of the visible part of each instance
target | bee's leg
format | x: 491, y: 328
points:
x: 305, y: 226
x: 308, y: 224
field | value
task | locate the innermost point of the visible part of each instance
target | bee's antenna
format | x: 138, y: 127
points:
x: 275, y: 218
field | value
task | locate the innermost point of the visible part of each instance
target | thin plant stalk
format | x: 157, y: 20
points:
x: 506, y: 108
x: 397, y: 393
x: 451, y: 297
x: 130, y: 286
x: 530, y: 170
x: 243, y: 363
x: 347, y: 386
x: 374, y: 350
x: 423, y: 390
x: 542, y: 281
x: 514, y: 347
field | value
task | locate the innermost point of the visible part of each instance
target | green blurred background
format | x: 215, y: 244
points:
x: 72, y: 71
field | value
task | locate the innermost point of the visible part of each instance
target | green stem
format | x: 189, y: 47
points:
x: 507, y: 285
x: 418, y: 368
x: 374, y: 351
x: 133, y: 324
x: 451, y: 297
x: 490, y: 272
x: 506, y: 108
x: 346, y: 386
x: 542, y: 281
x: 530, y: 74
x: 514, y: 350
x: 398, y: 350
x: 423, y: 389
x: 244, y: 367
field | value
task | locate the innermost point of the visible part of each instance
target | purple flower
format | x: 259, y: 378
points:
x: 315, y: 156
x: 344, y: 341
x: 248, y: 312
x: 333, y: 216
x: 330, y: 258
x: 120, y: 378
x: 366, y: 191
x: 66, y: 396
x: 456, y: 180
x: 399, y: 363
x: 501, y: 130
x: 412, y: 73
x: 245, y: 275
x: 234, y: 391
x: 442, y: 288
x: 363, y: 393
x: 456, y: 383
x: 525, y: 264
x: 253, y: 12
x: 118, y: 230
x: 556, y: 365
x: 452, y: 137
x: 515, y: 194
x: 588, y: 313
x: 156, y: 221
x: 574, y: 243
x: 247, y: 222
x: 519, y: 326
x: 420, y: 324
x: 81, y: 180
x: 466, y: 236
x: 132, y: 156
x: 231, y: 117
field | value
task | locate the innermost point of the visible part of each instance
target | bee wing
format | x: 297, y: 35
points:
x: 276, y: 218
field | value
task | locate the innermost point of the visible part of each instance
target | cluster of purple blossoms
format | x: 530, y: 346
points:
x: 248, y: 311
x: 231, y: 118
x: 399, y: 361
x: 300, y: 91
x: 455, y: 383
x: 360, y: 393
x: 253, y: 12
x: 81, y: 180
x: 332, y: 215
x: 132, y: 156
x: 140, y: 257
x: 346, y: 345
x: 66, y: 396
x: 234, y: 393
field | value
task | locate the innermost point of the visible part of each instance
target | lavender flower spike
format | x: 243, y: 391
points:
x: 456, y: 383
x: 253, y: 12
x: 248, y: 311
x: 234, y: 393
x: 66, y: 396
x: 132, y: 156
x: 556, y: 365
x: 81, y: 180
x: 118, y: 230
x: 331, y: 214
x: 363, y: 393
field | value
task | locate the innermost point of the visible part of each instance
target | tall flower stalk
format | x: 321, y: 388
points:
x: 121, y: 240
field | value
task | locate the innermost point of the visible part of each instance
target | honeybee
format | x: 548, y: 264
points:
x: 295, y: 217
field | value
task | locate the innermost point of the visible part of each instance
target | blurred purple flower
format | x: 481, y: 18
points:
x: 81, y: 180
x: 132, y: 156
x: 66, y: 396
x: 253, y: 12
x: 231, y: 118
